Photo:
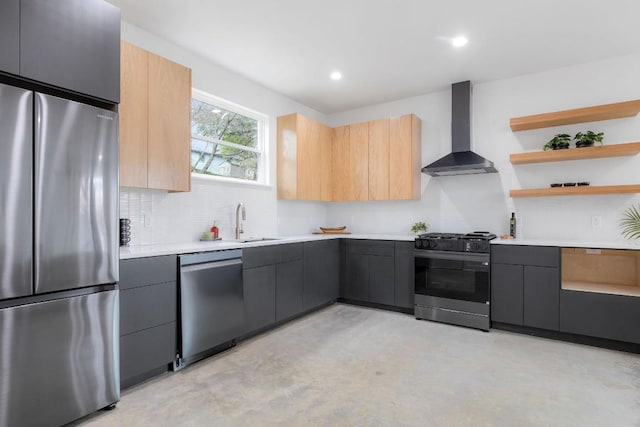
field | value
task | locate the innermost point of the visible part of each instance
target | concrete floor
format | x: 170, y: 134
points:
x: 354, y: 366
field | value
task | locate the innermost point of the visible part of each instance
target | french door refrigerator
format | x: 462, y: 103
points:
x: 58, y: 259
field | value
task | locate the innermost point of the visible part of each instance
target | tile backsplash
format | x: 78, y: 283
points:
x: 160, y: 217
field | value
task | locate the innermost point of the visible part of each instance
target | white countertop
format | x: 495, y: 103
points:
x: 142, y: 251
x: 569, y: 243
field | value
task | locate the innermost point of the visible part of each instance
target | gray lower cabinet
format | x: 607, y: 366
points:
x: 321, y: 273
x: 273, y: 282
x: 10, y: 36
x: 507, y: 293
x: 289, y: 289
x: 370, y: 271
x: 259, y: 285
x: 525, y: 286
x: 71, y: 44
x: 404, y: 274
x: 614, y: 317
x: 148, y: 312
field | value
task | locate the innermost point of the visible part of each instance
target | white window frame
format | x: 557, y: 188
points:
x: 262, y: 148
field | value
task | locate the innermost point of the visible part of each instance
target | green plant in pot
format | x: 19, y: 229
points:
x: 558, y: 142
x: 419, y: 227
x: 588, y: 138
x: 630, y: 223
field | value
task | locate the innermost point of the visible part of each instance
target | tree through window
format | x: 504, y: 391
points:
x: 225, y: 141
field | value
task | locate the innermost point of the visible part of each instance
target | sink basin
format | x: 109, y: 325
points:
x: 256, y: 239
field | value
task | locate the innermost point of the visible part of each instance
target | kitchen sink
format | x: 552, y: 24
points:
x: 256, y: 239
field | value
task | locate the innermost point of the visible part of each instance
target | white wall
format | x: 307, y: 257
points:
x: 459, y: 203
x: 161, y: 217
x: 465, y: 203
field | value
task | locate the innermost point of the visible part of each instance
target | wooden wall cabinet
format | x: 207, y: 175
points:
x: 304, y: 159
x: 376, y: 160
x: 155, y: 121
x: 405, y: 157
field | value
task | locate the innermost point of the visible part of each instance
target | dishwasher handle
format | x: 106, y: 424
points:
x: 210, y: 265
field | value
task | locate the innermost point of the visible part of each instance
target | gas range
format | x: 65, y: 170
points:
x: 478, y: 241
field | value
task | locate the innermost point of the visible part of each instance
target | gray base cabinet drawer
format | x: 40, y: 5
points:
x: 543, y: 256
x: 267, y: 255
x: 613, y: 317
x: 144, y: 351
x: 146, y: 307
x: 147, y: 271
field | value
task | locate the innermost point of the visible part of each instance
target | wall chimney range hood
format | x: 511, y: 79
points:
x: 462, y: 161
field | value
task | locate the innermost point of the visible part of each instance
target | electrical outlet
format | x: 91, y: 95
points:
x: 146, y: 219
x: 596, y: 221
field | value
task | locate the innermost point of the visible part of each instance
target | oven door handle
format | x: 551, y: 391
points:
x: 453, y: 256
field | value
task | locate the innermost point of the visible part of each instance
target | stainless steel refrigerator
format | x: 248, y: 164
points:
x: 59, y: 356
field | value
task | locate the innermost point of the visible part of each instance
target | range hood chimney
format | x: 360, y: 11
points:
x: 462, y: 161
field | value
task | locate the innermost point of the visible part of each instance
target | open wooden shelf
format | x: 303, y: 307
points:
x: 596, y: 113
x: 616, y: 150
x: 601, y: 288
x: 575, y: 191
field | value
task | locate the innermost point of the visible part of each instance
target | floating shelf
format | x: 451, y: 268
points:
x: 579, y: 115
x: 575, y: 191
x: 617, y: 150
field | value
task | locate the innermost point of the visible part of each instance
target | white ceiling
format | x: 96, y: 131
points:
x: 388, y: 49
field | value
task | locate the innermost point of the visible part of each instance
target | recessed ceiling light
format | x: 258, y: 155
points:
x: 216, y: 111
x: 336, y: 75
x: 459, y: 41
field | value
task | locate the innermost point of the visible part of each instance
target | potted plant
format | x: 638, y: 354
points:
x: 588, y: 138
x: 630, y: 223
x: 419, y: 227
x: 558, y: 142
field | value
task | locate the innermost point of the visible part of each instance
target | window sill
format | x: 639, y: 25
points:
x: 212, y: 179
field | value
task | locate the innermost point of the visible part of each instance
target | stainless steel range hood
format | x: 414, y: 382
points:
x: 462, y: 161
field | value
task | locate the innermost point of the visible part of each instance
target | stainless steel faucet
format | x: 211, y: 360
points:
x: 239, y: 229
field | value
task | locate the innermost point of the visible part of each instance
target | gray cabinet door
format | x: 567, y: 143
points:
x: 507, y: 289
x: 404, y: 275
x: 541, y: 297
x: 72, y: 44
x: 321, y: 273
x: 289, y: 289
x: 357, y: 278
x: 381, y: 280
x: 10, y: 36
x: 259, y: 297
x: 331, y: 287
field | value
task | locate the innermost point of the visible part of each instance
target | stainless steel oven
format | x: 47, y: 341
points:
x: 452, y: 280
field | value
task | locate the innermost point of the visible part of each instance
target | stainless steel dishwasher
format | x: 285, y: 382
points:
x: 211, y: 304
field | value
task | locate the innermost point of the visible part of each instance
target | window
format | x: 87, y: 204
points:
x: 226, y: 140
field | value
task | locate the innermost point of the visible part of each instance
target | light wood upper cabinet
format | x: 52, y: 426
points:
x: 379, y: 159
x: 169, y: 157
x: 405, y: 156
x: 342, y: 184
x: 376, y: 160
x: 359, y: 160
x: 304, y: 159
x: 155, y: 121
x: 326, y: 183
x: 132, y: 114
